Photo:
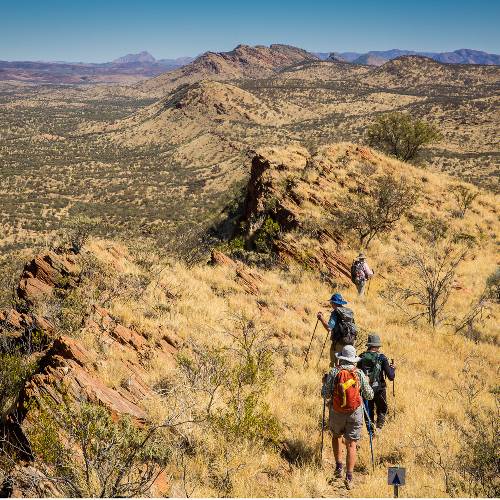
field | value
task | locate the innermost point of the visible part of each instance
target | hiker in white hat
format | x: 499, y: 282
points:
x: 344, y: 389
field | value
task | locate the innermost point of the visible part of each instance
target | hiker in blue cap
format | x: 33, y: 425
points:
x: 340, y: 326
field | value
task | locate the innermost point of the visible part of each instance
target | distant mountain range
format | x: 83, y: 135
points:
x: 145, y: 57
x: 130, y: 67
x: 379, y: 57
x: 242, y: 62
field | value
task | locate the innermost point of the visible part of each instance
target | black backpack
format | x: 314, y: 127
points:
x: 371, y: 364
x: 345, y: 329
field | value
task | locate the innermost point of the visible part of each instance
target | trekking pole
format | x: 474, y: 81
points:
x: 369, y: 431
x: 393, y: 391
x: 322, y: 429
x: 307, y: 353
x: 323, y: 348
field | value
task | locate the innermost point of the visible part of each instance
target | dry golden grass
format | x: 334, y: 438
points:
x: 201, y: 304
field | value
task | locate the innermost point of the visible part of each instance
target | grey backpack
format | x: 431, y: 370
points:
x: 345, y: 329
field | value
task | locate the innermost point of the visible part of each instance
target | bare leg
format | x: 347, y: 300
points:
x: 337, y: 449
x: 351, y: 455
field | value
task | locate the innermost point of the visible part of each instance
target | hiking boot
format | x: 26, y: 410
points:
x: 349, y: 482
x: 338, y: 471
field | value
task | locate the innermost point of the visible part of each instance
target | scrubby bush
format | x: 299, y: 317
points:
x: 377, y: 212
x: 84, y: 452
x: 478, y: 462
x: 78, y: 230
x: 231, y: 384
x: 464, y: 197
x: 432, y: 228
x: 429, y: 276
x: 401, y: 135
x: 264, y: 237
x: 493, y: 285
x: 15, y: 370
x: 10, y: 269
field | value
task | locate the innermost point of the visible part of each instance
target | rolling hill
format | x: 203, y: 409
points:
x: 164, y: 166
x: 243, y: 61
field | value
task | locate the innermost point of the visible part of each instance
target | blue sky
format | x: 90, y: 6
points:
x: 91, y: 30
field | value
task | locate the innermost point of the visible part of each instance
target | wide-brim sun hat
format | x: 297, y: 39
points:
x: 348, y: 354
x: 361, y: 256
x: 337, y: 299
x: 373, y: 340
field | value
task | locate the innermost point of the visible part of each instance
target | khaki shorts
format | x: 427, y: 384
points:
x: 348, y: 425
x: 336, y: 346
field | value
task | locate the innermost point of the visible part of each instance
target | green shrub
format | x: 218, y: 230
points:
x: 433, y: 229
x: 84, y: 452
x: 15, y: 370
x: 248, y: 418
x: 401, y: 135
x: 477, y: 462
x: 78, y: 231
x: 266, y: 235
x: 464, y: 197
x: 231, y: 383
x: 237, y: 243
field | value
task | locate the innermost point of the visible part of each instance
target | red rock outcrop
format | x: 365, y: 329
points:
x: 77, y: 368
x: 45, y: 272
x: 279, y: 188
x: 249, y: 279
x: 71, y: 367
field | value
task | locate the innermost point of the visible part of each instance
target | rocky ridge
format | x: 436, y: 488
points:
x: 70, y: 365
x: 242, y: 62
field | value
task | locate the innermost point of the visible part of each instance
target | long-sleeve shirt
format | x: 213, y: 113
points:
x: 367, y: 271
x: 364, y: 385
x: 387, y: 371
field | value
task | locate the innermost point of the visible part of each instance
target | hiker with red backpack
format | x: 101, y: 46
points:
x: 340, y: 326
x: 377, y: 368
x: 344, y: 389
x: 360, y: 273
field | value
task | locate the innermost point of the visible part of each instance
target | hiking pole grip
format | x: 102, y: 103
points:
x: 310, y: 342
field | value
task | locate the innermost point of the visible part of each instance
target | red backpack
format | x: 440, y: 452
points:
x: 346, y: 396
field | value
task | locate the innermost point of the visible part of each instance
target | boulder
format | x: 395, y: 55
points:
x: 45, y: 272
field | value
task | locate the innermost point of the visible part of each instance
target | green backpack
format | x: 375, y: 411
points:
x: 371, y: 364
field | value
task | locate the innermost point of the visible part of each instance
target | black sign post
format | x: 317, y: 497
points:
x: 396, y: 477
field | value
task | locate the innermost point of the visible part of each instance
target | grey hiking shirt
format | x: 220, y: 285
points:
x: 364, y: 385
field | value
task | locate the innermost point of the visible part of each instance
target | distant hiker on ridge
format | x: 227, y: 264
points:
x: 360, y: 273
x: 344, y: 387
x: 376, y: 367
x: 340, y: 325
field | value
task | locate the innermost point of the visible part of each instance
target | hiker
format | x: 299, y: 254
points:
x: 360, y: 273
x: 344, y: 387
x: 340, y: 325
x: 377, y: 368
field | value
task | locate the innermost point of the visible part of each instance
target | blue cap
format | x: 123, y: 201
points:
x: 338, y: 299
